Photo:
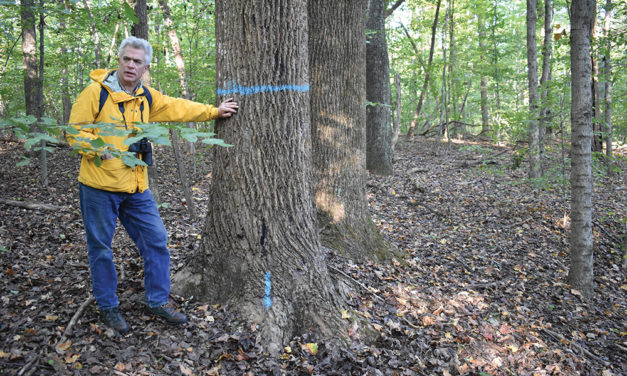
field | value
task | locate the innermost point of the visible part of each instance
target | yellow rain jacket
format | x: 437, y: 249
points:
x: 113, y: 175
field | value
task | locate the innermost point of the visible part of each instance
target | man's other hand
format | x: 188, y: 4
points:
x: 227, y: 108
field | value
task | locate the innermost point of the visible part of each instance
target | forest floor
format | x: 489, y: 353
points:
x: 479, y: 289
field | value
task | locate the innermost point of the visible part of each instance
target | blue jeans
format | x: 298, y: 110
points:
x: 139, y: 214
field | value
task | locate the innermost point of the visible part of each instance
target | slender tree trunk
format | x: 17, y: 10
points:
x: 260, y: 250
x: 452, y: 80
x: 378, y: 96
x: 607, y: 82
x: 338, y: 114
x: 497, y: 77
x: 535, y: 163
x: 178, y: 156
x: 444, y: 116
x: 425, y: 85
x: 140, y: 29
x: 485, y: 118
x: 545, y: 79
x: 40, y: 83
x: 396, y: 129
x: 597, y: 134
x: 32, y: 92
x: 95, y: 35
x: 178, y: 59
x: 112, y: 51
x: 66, y: 99
x: 581, y: 272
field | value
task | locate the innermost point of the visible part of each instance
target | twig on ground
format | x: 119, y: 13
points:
x: 27, y: 365
x: 583, y: 351
x: 31, y: 205
x: 366, y: 288
x: 79, y: 312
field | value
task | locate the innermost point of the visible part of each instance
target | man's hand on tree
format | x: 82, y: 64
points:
x: 227, y: 108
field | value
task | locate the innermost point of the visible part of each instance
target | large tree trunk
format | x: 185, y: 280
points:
x: 260, y: 250
x: 535, y: 163
x: 425, y: 85
x: 33, y: 97
x: 338, y: 113
x: 378, y: 95
x: 581, y: 272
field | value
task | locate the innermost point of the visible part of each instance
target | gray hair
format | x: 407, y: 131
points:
x: 137, y: 43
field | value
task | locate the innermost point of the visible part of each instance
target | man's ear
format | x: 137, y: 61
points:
x: 148, y: 67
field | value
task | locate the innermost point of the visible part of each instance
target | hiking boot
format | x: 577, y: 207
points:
x: 168, y: 312
x: 114, y: 320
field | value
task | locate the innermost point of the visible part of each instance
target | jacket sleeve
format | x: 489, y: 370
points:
x: 165, y: 108
x: 84, y: 111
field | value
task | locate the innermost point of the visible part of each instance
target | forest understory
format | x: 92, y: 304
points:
x: 479, y: 289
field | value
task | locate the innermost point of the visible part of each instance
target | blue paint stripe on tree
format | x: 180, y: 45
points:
x: 267, y: 298
x: 233, y: 88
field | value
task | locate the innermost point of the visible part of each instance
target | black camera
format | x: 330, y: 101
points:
x: 143, y: 148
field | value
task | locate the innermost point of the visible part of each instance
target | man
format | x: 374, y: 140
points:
x: 114, y: 190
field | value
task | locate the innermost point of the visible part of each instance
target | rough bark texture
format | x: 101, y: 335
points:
x: 597, y: 135
x: 337, y: 56
x: 32, y: 87
x: 581, y: 272
x: 535, y: 167
x: 378, y: 112
x: 425, y: 85
x: 260, y: 251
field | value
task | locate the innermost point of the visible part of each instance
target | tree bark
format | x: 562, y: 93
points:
x: 140, y: 29
x: 535, y: 162
x: 425, y: 85
x: 260, y: 250
x: 581, y: 272
x: 378, y: 95
x: 33, y: 97
x: 338, y: 113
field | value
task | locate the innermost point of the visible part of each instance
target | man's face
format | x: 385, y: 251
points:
x: 132, y: 66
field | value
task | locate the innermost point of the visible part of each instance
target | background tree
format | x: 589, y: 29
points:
x: 33, y: 90
x: 260, y: 251
x: 378, y: 94
x: 338, y: 114
x: 535, y: 161
x: 427, y: 71
x: 581, y: 272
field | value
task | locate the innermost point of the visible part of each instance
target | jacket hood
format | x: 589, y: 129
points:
x: 108, y: 79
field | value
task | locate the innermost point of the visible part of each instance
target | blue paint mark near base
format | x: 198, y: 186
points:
x: 267, y: 299
x: 233, y: 88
